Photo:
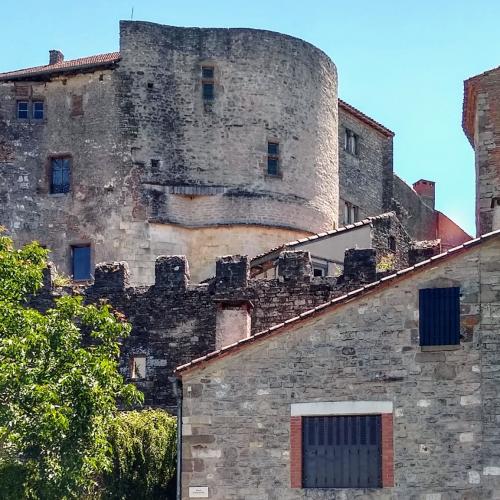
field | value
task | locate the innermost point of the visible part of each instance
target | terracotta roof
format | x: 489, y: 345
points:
x: 469, y: 103
x: 64, y: 66
x: 266, y: 255
x: 365, y: 118
x: 360, y: 292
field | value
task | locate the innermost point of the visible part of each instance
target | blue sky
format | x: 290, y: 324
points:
x: 402, y: 63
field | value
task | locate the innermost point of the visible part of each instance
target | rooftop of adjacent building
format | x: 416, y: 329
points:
x: 469, y: 102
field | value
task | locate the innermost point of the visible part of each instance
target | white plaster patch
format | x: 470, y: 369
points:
x: 399, y: 412
x: 474, y: 477
x: 476, y: 369
x: 423, y: 403
x: 423, y: 448
x: 263, y: 392
x: 470, y: 400
x: 466, y: 437
x: 491, y: 471
x: 341, y: 408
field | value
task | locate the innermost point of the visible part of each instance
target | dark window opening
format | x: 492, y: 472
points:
x: 207, y: 72
x: 392, y: 243
x: 273, y: 158
x: 80, y: 256
x: 38, y: 110
x: 208, y: 91
x: 60, y: 175
x: 342, y: 451
x: 351, y: 142
x: 439, y: 316
x: 22, y: 110
x: 155, y: 165
x: 150, y: 85
x: 318, y: 272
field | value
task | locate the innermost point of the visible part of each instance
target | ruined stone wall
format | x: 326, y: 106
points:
x: 237, y: 409
x: 365, y: 178
x: 487, y: 149
x: 173, y: 321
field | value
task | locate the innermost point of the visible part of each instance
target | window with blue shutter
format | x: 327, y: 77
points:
x: 342, y: 451
x: 439, y: 316
x: 60, y: 170
x: 81, y: 262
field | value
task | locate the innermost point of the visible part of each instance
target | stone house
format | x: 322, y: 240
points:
x: 389, y: 391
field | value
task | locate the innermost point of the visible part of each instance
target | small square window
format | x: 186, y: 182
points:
x: 351, y: 213
x: 138, y: 367
x: 60, y: 175
x: 80, y: 256
x: 207, y: 72
x: 439, y: 316
x: 38, y: 110
x: 22, y: 110
x: 208, y: 91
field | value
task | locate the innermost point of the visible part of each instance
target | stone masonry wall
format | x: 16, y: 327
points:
x: 205, y: 163
x: 236, y: 410
x: 366, y: 178
x: 174, y: 322
x: 487, y: 148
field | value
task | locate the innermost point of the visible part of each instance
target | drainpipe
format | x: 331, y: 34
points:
x: 178, y: 395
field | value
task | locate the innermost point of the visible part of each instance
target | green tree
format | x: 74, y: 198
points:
x: 144, y: 448
x: 59, y: 384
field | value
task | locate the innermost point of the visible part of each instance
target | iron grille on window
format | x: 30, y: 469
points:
x: 81, y: 262
x: 60, y: 175
x: 342, y: 452
x: 439, y: 316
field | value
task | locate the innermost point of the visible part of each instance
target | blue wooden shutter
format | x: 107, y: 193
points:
x: 439, y: 316
x: 81, y: 263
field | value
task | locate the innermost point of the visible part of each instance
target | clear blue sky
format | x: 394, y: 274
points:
x: 402, y: 63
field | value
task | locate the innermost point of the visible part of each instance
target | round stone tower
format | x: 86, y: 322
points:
x: 234, y: 136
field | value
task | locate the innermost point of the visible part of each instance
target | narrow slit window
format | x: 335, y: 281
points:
x: 80, y: 256
x: 351, y: 142
x: 273, y: 158
x: 208, y: 82
x: 22, y: 110
x: 38, y: 110
x: 60, y: 170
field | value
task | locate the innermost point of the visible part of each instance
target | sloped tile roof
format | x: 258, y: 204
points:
x: 365, y: 118
x: 64, y: 66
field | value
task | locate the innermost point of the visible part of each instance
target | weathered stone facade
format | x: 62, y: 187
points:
x: 156, y: 169
x: 481, y: 124
x: 237, y: 403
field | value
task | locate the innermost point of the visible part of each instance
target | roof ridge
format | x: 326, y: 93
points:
x: 343, y: 298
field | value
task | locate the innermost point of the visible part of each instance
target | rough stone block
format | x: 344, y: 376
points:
x: 294, y: 266
x: 172, y: 271
x: 232, y: 271
x: 360, y: 265
x: 111, y: 275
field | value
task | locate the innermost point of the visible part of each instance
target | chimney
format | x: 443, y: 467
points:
x: 233, y: 321
x: 55, y: 56
x: 426, y: 190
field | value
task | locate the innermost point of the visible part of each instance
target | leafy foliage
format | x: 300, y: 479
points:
x: 59, y: 384
x: 144, y: 456
x: 386, y: 263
